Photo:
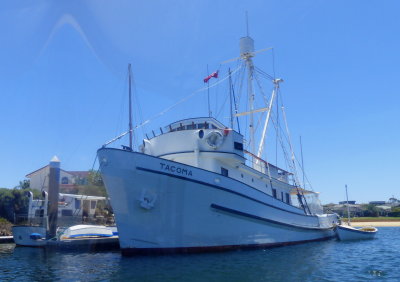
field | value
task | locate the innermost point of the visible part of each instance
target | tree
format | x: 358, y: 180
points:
x: 393, y: 201
x: 14, y: 201
x: 24, y: 184
x: 395, y: 212
x: 94, y: 178
x: 371, y: 210
x: 95, y: 186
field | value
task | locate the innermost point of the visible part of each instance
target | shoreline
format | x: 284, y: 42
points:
x: 377, y: 223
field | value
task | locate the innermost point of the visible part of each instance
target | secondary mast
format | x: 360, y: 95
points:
x: 348, y: 208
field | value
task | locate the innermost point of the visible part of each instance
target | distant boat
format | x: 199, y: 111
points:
x: 33, y: 234
x: 351, y: 233
x: 348, y: 232
x: 29, y: 236
x: 192, y: 189
x: 86, y: 231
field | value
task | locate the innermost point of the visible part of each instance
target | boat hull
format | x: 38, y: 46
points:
x: 22, y: 236
x: 82, y: 231
x: 345, y: 233
x: 164, y: 206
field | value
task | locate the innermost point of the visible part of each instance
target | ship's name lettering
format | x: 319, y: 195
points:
x: 176, y: 169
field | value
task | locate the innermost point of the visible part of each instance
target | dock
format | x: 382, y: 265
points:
x: 6, y: 239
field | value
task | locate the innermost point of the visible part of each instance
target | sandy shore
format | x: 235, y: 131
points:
x: 377, y: 223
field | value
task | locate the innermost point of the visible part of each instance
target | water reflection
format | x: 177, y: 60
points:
x: 322, y: 261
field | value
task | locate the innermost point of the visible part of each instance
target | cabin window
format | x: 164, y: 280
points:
x: 92, y: 205
x: 282, y: 196
x: 191, y: 126
x: 274, y: 193
x: 202, y: 125
x: 238, y: 146
x: 64, y: 180
x: 66, y: 212
x: 224, y: 172
x: 213, y: 126
x: 287, y: 198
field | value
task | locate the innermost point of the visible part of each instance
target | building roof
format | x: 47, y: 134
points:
x: 83, y: 174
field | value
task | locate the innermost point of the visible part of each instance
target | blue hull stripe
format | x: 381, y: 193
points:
x: 219, y: 188
x: 91, y: 235
x: 198, y: 168
x: 236, y: 212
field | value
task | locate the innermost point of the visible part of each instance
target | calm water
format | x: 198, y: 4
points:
x: 372, y: 260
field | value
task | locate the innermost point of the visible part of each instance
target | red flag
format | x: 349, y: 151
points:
x: 214, y: 74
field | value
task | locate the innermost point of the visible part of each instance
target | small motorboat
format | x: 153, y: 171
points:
x: 345, y: 232
x: 29, y: 236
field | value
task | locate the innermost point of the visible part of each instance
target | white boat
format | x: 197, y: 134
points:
x: 29, y: 236
x: 86, y: 231
x: 191, y: 189
x: 345, y: 232
x: 348, y: 232
x: 37, y: 236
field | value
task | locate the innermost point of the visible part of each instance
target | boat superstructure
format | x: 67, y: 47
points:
x: 199, y: 186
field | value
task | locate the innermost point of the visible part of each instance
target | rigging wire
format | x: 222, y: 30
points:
x: 138, y: 112
x: 172, y: 106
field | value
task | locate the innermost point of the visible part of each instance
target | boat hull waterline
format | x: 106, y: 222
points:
x: 165, y: 206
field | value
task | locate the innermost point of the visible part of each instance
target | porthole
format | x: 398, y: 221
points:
x: 201, y: 134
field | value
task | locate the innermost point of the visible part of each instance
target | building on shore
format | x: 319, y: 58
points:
x: 39, y: 179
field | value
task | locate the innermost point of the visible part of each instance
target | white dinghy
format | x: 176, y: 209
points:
x: 82, y: 231
x: 348, y: 232
x: 351, y: 233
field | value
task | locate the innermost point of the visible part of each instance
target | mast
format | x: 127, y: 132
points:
x: 250, y: 93
x: 230, y: 98
x: 246, y: 54
x: 264, y: 132
x: 130, y: 109
x: 348, y: 208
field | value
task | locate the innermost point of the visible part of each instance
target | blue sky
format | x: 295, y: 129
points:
x: 63, y: 79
